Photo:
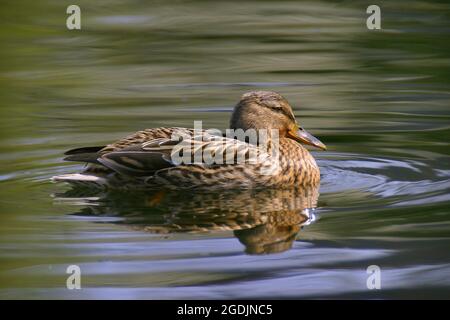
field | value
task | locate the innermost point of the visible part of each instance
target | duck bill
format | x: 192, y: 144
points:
x: 303, y: 136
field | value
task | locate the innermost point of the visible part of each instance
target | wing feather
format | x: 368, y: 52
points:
x: 149, y: 151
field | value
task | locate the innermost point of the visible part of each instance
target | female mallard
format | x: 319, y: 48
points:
x: 162, y: 157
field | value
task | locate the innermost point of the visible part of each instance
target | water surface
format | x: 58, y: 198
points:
x: 378, y: 99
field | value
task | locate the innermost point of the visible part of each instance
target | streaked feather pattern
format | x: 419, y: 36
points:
x: 177, y: 157
x: 146, y: 159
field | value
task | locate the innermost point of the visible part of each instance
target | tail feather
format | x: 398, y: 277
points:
x: 84, y: 150
x: 80, y: 179
x: 83, y: 157
x: 85, y: 154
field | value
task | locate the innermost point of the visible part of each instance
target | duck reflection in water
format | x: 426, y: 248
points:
x: 264, y: 221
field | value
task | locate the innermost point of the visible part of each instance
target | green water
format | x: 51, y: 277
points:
x: 378, y: 99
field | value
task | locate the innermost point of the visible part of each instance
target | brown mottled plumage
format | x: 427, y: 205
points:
x: 146, y: 158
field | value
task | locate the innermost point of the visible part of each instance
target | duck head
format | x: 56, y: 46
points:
x: 269, y: 110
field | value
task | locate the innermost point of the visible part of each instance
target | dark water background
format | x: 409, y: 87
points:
x: 378, y: 99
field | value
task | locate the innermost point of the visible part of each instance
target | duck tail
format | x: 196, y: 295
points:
x: 82, y: 179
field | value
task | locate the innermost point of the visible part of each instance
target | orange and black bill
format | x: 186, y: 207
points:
x: 303, y: 136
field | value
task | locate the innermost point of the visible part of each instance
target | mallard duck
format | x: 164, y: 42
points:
x: 151, y: 157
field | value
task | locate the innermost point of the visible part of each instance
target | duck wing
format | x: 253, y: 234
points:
x: 131, y: 142
x: 137, y: 160
x: 171, y: 152
x: 199, y: 151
